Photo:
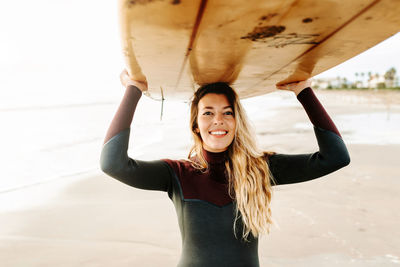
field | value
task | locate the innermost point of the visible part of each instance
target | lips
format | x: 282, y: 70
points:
x: 218, y: 133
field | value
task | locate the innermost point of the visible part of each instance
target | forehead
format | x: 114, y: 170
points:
x: 214, y: 100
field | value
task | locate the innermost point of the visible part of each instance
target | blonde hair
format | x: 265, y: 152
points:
x: 248, y: 172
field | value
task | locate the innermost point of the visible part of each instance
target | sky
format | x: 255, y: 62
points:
x: 377, y: 59
x: 70, y: 52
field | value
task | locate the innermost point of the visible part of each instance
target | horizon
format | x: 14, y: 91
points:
x: 73, y: 60
x: 378, y: 59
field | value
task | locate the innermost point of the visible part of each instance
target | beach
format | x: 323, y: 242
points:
x: 85, y: 218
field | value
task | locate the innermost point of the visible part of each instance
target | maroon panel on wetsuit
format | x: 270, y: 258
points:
x: 208, y: 186
x: 315, y: 111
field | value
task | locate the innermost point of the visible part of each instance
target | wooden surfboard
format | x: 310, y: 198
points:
x: 252, y: 45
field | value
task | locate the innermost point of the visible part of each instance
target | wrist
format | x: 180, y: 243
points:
x: 299, y: 91
x: 134, y: 88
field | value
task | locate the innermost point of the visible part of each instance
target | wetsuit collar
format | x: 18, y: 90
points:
x: 214, y: 157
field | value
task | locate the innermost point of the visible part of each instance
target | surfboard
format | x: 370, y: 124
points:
x: 179, y: 45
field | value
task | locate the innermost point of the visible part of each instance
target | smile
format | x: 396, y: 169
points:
x: 218, y: 133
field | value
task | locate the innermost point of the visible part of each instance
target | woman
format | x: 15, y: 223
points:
x: 222, y: 192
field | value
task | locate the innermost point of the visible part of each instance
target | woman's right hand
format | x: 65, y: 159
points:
x: 126, y: 81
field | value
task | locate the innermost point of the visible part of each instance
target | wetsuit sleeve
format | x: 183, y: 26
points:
x: 114, y: 159
x: 332, y: 154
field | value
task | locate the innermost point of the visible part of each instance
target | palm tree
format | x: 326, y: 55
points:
x: 344, y: 84
x: 390, y: 76
x: 362, y: 78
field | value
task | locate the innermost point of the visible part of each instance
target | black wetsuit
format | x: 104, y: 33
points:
x: 205, y: 210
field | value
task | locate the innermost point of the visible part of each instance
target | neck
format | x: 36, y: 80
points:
x: 214, y: 157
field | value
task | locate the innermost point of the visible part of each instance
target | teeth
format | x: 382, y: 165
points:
x: 219, y: 132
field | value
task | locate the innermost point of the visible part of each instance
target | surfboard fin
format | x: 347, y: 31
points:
x: 162, y: 102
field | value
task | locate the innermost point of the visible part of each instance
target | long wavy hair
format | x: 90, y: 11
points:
x: 250, y: 180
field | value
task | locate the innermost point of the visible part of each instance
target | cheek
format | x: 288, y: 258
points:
x: 202, y: 123
x: 232, y: 124
x: 200, y: 126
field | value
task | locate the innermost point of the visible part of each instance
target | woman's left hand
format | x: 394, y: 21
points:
x: 126, y: 81
x: 296, y: 87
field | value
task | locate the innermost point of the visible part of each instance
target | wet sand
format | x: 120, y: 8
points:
x: 347, y: 218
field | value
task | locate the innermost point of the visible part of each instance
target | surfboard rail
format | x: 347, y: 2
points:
x: 253, y: 45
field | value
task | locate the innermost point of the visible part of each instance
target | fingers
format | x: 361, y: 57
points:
x: 126, y: 81
x: 294, y: 85
x: 124, y: 77
x: 287, y: 86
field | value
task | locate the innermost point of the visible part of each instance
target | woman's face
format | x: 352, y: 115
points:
x: 216, y: 122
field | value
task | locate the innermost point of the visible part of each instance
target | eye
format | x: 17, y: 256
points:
x: 229, y: 113
x: 207, y: 113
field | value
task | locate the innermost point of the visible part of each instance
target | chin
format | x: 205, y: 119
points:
x: 219, y: 148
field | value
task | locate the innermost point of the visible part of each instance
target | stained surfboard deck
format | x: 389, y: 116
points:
x: 179, y: 45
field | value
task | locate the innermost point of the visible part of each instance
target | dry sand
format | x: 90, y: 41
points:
x: 348, y: 218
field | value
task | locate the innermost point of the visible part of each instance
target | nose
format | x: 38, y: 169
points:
x: 218, y: 119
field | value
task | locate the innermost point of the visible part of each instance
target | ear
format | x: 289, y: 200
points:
x: 197, y: 130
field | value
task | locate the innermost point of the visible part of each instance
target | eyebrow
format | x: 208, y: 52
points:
x: 222, y: 108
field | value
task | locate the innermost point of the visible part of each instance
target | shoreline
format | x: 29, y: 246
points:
x: 343, y: 219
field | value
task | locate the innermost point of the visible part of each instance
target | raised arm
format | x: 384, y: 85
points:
x: 332, y: 154
x: 114, y: 160
x: 123, y: 117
